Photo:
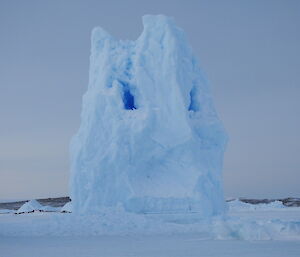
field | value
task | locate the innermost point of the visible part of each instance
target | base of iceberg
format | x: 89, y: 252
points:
x: 268, y: 222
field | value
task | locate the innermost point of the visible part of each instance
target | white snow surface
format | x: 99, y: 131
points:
x: 147, y: 246
x: 119, y: 233
x: 150, y: 139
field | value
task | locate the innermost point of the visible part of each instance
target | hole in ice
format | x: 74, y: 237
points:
x: 128, y: 98
x: 194, y: 106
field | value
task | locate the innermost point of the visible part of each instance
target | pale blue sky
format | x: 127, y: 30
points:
x: 249, y: 51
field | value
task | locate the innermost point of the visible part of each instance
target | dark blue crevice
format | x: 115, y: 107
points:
x: 194, y: 106
x: 128, y: 98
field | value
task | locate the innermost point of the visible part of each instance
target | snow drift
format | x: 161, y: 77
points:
x: 30, y: 206
x: 34, y: 205
x: 150, y: 139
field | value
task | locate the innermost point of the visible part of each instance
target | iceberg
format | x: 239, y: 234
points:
x: 150, y: 139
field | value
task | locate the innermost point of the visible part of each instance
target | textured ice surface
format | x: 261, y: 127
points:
x: 150, y: 139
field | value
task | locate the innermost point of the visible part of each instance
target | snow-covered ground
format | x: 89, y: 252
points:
x: 135, y: 246
x: 249, y: 230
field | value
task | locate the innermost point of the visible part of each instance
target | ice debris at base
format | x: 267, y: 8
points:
x: 116, y: 221
x: 67, y: 207
x: 150, y: 138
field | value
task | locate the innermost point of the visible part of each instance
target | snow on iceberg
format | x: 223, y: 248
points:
x: 150, y: 138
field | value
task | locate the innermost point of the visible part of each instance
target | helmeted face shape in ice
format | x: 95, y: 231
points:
x: 150, y: 138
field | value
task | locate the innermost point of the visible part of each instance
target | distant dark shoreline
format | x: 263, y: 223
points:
x: 54, y: 202
x: 289, y: 202
x: 61, y: 201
